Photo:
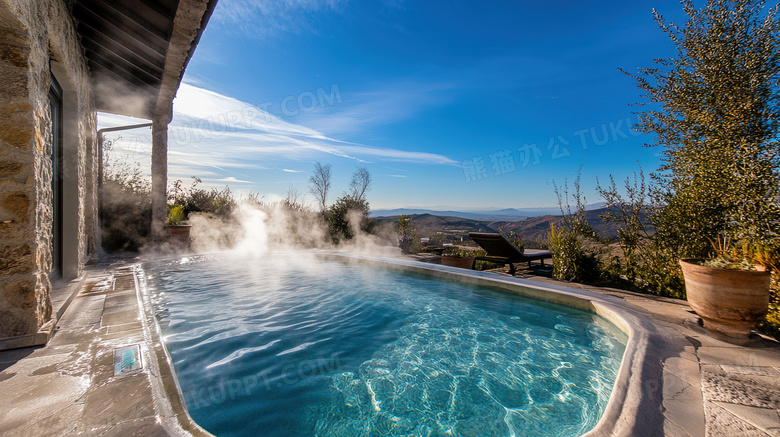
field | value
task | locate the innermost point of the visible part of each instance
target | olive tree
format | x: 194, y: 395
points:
x: 714, y: 110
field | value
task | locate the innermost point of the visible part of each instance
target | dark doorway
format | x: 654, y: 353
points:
x: 55, y: 104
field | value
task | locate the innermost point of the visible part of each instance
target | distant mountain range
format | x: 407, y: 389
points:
x: 506, y: 214
x: 457, y: 226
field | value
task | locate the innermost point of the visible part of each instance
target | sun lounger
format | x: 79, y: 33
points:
x: 501, y: 251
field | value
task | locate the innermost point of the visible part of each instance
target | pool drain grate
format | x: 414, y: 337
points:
x: 127, y: 360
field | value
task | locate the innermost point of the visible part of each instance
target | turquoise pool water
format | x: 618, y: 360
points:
x: 292, y: 347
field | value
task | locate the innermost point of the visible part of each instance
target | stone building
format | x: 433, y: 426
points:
x: 62, y: 61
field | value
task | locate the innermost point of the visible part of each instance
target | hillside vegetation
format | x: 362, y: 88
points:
x: 534, y: 229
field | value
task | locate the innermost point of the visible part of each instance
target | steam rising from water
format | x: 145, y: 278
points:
x: 257, y: 229
x: 253, y: 224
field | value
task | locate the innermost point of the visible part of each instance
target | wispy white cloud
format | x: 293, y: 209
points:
x: 396, y: 102
x: 217, y: 137
x: 397, y: 175
x: 231, y: 180
x: 397, y: 169
x: 228, y: 133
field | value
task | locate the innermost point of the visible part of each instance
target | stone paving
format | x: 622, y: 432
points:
x: 710, y: 388
x: 69, y: 387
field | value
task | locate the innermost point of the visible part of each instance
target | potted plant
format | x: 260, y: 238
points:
x: 176, y: 229
x: 454, y: 257
x: 730, y: 292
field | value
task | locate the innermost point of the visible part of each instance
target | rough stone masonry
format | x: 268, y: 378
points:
x: 37, y: 37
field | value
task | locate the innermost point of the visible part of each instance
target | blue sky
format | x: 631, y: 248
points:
x: 448, y: 104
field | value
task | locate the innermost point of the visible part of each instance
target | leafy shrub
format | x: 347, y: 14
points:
x: 436, y: 240
x: 460, y: 253
x: 571, y: 261
x: 417, y: 246
x: 649, y: 243
x: 572, y: 242
x: 220, y: 203
x: 126, y: 211
x: 127, y: 217
x: 484, y: 265
x: 716, y: 116
x: 347, y: 217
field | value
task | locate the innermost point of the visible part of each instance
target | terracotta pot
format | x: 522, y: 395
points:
x: 178, y: 229
x: 458, y: 261
x: 729, y: 301
x: 178, y: 234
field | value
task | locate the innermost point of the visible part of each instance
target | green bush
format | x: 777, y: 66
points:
x: 573, y: 242
x: 454, y: 251
x: 417, y: 246
x: 482, y: 265
x: 220, y: 203
x: 126, y: 216
x: 571, y: 260
x: 348, y: 215
x: 649, y: 244
x: 126, y: 211
x: 436, y: 240
x: 716, y: 115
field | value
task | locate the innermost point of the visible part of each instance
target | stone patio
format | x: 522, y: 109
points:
x: 710, y: 388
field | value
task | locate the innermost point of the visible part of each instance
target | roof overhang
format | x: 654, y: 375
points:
x: 137, y: 50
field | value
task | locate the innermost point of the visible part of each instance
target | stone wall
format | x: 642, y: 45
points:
x: 32, y: 33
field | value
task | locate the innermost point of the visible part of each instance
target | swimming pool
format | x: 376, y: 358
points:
x: 285, y: 346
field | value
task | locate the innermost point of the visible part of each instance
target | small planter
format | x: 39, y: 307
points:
x: 178, y: 234
x: 730, y: 302
x: 458, y: 261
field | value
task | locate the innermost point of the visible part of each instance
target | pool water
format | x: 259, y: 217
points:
x: 294, y: 347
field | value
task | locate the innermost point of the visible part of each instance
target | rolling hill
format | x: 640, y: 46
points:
x: 532, y: 229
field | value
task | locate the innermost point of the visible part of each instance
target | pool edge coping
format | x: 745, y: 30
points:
x: 622, y: 414
x: 167, y: 392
